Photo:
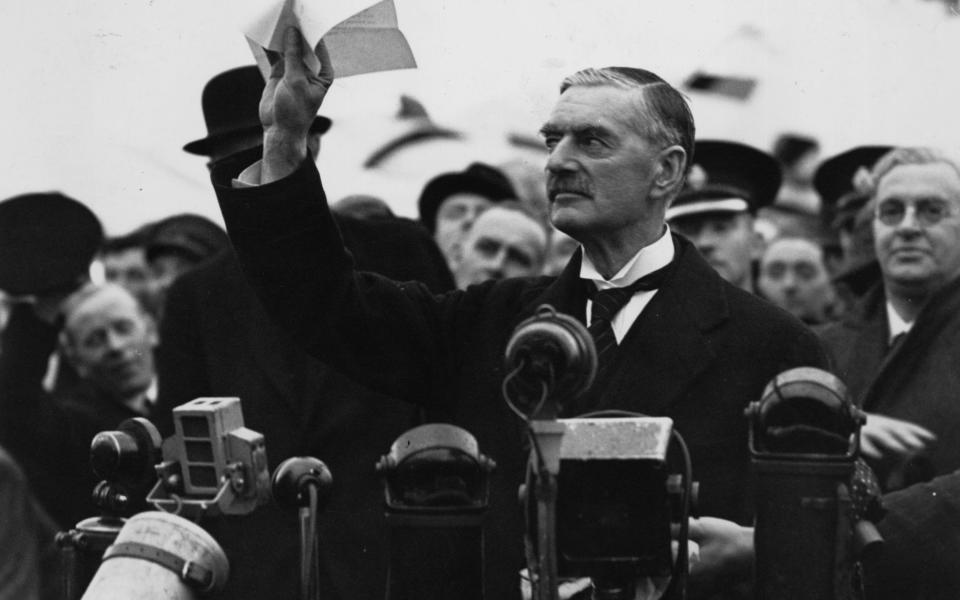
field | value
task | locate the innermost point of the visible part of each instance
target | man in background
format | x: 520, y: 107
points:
x: 897, y: 350
x: 793, y: 275
x: 504, y: 241
x: 716, y: 209
x: 451, y: 202
x: 108, y: 340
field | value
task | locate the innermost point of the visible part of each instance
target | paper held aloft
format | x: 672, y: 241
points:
x: 361, y: 37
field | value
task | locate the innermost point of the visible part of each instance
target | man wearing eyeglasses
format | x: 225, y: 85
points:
x: 899, y: 349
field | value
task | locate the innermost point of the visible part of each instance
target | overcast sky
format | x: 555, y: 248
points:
x: 100, y: 95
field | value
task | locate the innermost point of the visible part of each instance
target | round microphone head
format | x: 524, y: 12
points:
x: 552, y: 349
x: 294, y: 476
x: 128, y: 454
x: 806, y: 410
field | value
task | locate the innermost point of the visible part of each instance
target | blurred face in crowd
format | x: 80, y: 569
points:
x: 128, y: 268
x: 600, y: 170
x: 727, y: 240
x: 455, y: 216
x: 794, y: 277
x: 916, y: 225
x: 109, y: 339
x: 502, y: 243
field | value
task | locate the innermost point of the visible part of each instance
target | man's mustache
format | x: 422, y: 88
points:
x: 562, y: 185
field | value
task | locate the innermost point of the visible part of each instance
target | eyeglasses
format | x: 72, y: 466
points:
x: 927, y: 211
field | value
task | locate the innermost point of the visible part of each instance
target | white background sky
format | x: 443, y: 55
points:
x: 99, y: 96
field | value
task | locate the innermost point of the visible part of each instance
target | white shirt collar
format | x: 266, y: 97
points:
x: 144, y: 402
x: 647, y: 260
x: 896, y: 323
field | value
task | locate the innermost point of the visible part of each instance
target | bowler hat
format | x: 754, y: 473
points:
x: 727, y: 177
x: 231, y: 107
x: 478, y: 178
x: 192, y: 236
x: 47, y: 241
x: 841, y: 198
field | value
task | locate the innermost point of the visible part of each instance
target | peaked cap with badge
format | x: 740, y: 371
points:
x: 727, y: 177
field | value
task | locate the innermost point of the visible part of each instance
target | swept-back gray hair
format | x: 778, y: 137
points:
x: 663, y: 114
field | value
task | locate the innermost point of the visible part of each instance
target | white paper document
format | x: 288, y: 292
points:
x: 361, y: 37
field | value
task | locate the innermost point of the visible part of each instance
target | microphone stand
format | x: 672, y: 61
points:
x: 304, y: 482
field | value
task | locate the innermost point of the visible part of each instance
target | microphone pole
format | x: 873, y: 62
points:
x: 552, y: 361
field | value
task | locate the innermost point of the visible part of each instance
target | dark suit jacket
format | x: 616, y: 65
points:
x: 699, y: 352
x: 216, y: 340
x: 916, y: 380
x: 921, y: 550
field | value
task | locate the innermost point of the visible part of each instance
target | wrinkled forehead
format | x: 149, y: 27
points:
x: 932, y: 180
x: 793, y: 250
x: 595, y: 106
x: 506, y: 224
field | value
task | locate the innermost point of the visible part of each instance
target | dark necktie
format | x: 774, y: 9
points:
x: 606, y: 304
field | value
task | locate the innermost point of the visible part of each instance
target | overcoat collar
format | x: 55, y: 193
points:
x: 669, y: 337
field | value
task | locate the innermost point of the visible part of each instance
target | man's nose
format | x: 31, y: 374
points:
x: 115, y: 341
x: 908, y: 224
x: 561, y: 157
x: 789, y: 282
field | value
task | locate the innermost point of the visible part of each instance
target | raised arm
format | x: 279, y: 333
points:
x: 395, y: 338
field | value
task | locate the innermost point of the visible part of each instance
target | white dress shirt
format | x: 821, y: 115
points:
x: 896, y: 324
x: 650, y: 258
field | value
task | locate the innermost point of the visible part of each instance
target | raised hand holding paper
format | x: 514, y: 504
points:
x: 361, y: 37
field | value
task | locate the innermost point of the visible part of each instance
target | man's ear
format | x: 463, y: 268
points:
x: 671, y: 168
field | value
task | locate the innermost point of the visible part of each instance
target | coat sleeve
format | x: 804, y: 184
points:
x: 921, y: 550
x: 393, y: 337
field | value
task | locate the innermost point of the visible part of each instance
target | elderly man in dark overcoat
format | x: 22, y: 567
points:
x: 898, y: 350
x: 688, y: 345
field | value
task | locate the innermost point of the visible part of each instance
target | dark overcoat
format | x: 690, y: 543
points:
x: 917, y: 379
x: 216, y: 340
x: 699, y: 353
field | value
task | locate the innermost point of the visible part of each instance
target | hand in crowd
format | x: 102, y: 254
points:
x: 289, y: 105
x: 726, y: 555
x: 886, y: 435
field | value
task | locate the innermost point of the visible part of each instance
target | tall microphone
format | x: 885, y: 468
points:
x: 813, y: 505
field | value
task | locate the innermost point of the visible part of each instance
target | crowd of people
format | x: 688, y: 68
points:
x: 341, y: 327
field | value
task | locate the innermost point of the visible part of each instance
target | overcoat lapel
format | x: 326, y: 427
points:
x: 669, y: 336
x: 868, y: 346
x: 666, y: 349
x: 897, y: 369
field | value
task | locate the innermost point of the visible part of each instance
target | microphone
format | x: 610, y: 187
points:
x: 550, y: 355
x: 814, y: 501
